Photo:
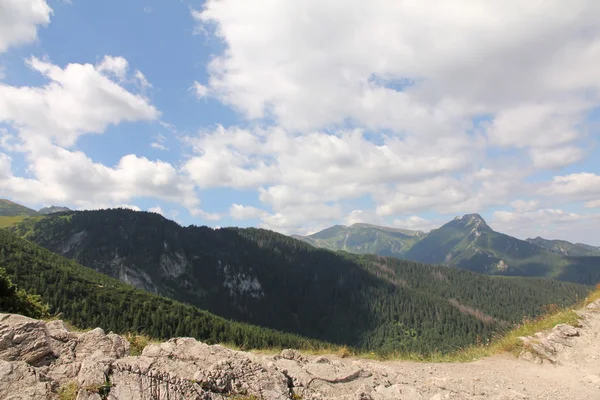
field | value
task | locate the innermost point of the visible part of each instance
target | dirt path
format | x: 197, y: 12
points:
x: 575, y: 374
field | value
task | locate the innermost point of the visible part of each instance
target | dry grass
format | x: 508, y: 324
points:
x: 68, y: 391
x: 137, y: 343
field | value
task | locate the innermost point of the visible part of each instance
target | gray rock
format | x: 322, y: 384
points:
x: 110, y: 345
x: 24, y: 339
x: 20, y: 381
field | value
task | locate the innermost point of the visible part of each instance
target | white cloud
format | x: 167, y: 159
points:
x: 310, y: 64
x: 62, y: 176
x: 19, y: 21
x: 158, y: 143
x: 525, y: 205
x: 157, y: 210
x: 197, y: 212
x: 200, y: 90
x: 141, y: 80
x: 592, y: 204
x: 159, y: 146
x: 241, y: 212
x: 416, y: 223
x: 556, y: 157
x: 412, y: 79
x: 548, y: 223
x: 115, y: 66
x: 78, y: 99
x: 573, y: 187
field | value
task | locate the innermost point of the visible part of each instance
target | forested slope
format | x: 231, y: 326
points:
x: 89, y: 299
x: 272, y: 280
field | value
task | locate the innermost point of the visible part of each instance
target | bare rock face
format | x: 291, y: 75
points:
x: 20, y: 381
x: 197, y: 371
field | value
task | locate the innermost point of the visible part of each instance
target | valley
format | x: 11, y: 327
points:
x: 270, y: 280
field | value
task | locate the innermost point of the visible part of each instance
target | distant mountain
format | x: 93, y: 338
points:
x: 365, y: 239
x: 468, y: 242
x: 566, y: 248
x: 10, y: 209
x: 53, y: 209
x: 271, y: 280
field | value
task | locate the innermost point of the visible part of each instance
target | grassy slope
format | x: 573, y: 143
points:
x: 365, y: 239
x: 10, y: 209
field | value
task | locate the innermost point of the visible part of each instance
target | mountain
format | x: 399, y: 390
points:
x: 10, y: 209
x: 89, y: 299
x: 566, y: 248
x: 53, y: 209
x: 271, y: 280
x: 365, y: 239
x: 468, y: 242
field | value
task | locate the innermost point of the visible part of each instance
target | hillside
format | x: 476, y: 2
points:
x: 563, y: 247
x: 365, y: 239
x: 88, y: 299
x: 10, y: 209
x: 272, y: 280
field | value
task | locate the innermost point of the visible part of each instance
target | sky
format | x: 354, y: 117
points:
x: 300, y: 114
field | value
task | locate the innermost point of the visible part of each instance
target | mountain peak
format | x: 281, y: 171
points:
x: 472, y: 221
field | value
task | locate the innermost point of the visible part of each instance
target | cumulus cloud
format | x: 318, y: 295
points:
x: 19, y: 21
x: 62, y: 176
x: 416, y: 223
x: 442, y: 95
x: 573, y: 187
x: 241, y: 212
x: 78, y: 99
x: 394, y: 65
x: 548, y: 223
x: 81, y: 99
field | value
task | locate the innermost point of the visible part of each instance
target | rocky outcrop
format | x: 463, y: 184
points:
x: 44, y: 360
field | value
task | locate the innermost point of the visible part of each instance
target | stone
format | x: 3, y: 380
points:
x: 20, y: 381
x: 24, y: 339
x: 110, y: 345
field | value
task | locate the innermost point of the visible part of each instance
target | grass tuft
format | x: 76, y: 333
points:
x: 68, y: 391
x: 137, y: 343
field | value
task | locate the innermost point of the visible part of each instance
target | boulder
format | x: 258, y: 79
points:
x: 111, y: 345
x: 24, y: 339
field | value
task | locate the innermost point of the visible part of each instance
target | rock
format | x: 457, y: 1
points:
x: 333, y: 373
x: 195, y: 370
x: 565, y: 331
x: 290, y: 354
x: 24, y: 339
x: 20, y: 381
x: 437, y: 397
x: 594, y: 305
x: 94, y: 370
x: 110, y: 345
x: 58, y: 331
x: 84, y: 394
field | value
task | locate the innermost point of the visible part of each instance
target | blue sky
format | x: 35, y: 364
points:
x: 294, y: 116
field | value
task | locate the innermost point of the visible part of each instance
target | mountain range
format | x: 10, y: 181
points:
x: 275, y: 281
x: 11, y: 209
x: 468, y: 242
